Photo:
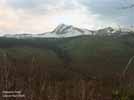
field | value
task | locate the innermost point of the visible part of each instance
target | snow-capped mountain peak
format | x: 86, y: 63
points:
x: 105, y: 31
x: 63, y: 30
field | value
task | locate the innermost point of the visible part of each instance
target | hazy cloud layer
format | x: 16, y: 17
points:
x: 36, y: 16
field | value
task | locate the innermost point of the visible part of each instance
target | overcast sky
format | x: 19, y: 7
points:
x: 38, y: 16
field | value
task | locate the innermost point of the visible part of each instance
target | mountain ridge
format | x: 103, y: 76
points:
x: 64, y: 31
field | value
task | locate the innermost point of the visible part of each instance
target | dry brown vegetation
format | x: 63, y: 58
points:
x: 36, y: 84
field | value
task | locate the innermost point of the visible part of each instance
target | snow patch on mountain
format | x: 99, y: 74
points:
x: 63, y: 31
x: 67, y: 31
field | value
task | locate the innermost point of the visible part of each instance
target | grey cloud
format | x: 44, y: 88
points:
x: 29, y: 4
x: 23, y: 4
x: 108, y: 10
x: 40, y: 6
x: 111, y: 10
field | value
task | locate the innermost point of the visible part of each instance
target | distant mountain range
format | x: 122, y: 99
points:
x: 64, y: 31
